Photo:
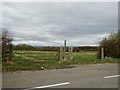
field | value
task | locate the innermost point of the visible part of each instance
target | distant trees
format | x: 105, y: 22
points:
x: 85, y: 48
x: 6, y: 41
x: 111, y: 45
x: 23, y: 47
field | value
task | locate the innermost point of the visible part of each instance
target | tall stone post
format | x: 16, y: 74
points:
x: 102, y: 52
x: 61, y: 53
x: 70, y: 53
x: 65, y: 50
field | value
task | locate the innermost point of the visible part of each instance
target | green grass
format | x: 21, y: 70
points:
x: 39, y: 55
x: 91, y: 58
x: 48, y: 60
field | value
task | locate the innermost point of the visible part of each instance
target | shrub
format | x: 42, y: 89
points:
x: 111, y: 45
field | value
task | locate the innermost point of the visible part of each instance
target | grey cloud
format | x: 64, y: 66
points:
x: 51, y: 23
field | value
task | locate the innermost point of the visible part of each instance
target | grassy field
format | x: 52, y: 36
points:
x: 39, y: 60
x: 39, y: 55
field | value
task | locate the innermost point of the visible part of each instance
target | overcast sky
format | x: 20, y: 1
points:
x: 50, y: 23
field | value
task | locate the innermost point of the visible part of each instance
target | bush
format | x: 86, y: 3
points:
x: 111, y: 45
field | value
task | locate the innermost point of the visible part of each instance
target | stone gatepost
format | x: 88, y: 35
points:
x: 65, y: 50
x: 61, y: 53
x: 102, y: 52
x: 70, y: 53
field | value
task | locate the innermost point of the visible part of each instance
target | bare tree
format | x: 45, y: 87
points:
x: 6, y: 45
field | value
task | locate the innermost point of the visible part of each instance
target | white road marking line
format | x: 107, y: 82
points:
x: 47, y: 86
x: 113, y: 76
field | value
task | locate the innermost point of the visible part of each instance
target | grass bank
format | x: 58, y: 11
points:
x: 48, y: 60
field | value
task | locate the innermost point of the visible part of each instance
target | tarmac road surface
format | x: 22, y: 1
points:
x: 82, y: 76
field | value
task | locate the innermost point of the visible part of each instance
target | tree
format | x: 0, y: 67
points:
x: 6, y: 45
x: 111, y: 45
x: 23, y: 47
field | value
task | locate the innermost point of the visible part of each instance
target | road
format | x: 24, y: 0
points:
x: 82, y: 76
